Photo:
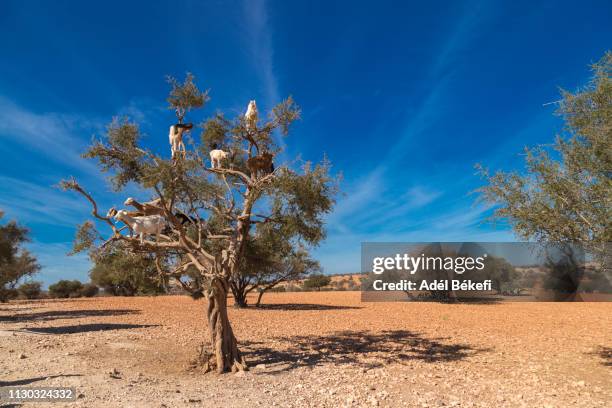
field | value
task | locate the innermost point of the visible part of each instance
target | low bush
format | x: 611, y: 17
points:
x: 66, y: 289
x: 89, y: 290
x: 30, y: 290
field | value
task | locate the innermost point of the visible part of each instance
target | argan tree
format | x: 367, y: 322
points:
x: 122, y: 272
x: 15, y: 261
x: 210, y: 212
x: 271, y: 257
x: 565, y: 195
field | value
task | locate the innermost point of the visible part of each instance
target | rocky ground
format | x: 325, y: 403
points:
x: 323, y: 349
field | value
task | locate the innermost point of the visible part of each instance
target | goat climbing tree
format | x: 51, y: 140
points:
x: 211, y: 213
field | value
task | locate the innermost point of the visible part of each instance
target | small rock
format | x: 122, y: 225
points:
x: 581, y: 383
x: 22, y: 356
x: 260, y: 366
x: 114, y: 374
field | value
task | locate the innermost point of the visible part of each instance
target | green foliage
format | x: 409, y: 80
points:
x: 186, y: 96
x: 121, y: 272
x: 285, y: 113
x: 565, y: 196
x: 270, y: 257
x: 85, y: 238
x: 30, y: 290
x: 119, y: 153
x: 317, y: 281
x: 66, y: 289
x: 265, y: 222
x: 300, y: 199
x: 89, y: 290
x: 15, y: 262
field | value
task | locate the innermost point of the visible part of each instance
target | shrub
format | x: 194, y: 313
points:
x: 7, y: 294
x: 317, y: 281
x: 89, y: 290
x: 66, y: 289
x: 30, y: 290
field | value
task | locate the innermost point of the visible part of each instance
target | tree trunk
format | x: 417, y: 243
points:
x: 240, y: 299
x: 239, y: 293
x: 259, y: 296
x: 224, y: 355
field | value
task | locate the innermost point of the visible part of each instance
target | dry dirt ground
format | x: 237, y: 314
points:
x: 323, y: 349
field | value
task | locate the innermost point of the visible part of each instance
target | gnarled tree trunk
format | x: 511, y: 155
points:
x: 224, y: 355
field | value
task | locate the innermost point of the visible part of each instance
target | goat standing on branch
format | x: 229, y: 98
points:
x: 176, y: 138
x: 148, y: 208
x: 216, y: 158
x: 251, y: 116
x: 151, y: 224
x: 207, y: 253
x: 261, y: 164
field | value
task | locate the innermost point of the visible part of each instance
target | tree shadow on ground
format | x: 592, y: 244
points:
x: 27, y: 381
x: 83, y: 328
x: 303, y: 306
x: 66, y: 314
x: 357, y: 348
x: 605, y: 353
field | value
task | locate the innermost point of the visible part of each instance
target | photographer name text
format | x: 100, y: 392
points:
x: 437, y: 284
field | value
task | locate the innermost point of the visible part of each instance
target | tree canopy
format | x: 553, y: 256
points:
x: 15, y: 261
x: 565, y: 195
x: 212, y: 215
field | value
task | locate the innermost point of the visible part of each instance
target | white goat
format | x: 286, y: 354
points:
x: 251, y: 116
x: 176, y: 137
x: 216, y: 156
x: 150, y: 224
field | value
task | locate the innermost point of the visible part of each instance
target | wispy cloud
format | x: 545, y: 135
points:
x: 59, y: 137
x: 262, y: 52
x: 39, y: 203
x: 372, y: 210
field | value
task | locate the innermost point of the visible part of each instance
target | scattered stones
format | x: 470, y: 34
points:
x: 360, y: 355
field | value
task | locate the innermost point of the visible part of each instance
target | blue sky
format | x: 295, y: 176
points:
x: 404, y: 98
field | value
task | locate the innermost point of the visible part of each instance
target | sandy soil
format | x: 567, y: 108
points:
x: 314, y: 349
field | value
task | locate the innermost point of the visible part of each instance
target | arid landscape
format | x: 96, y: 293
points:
x: 314, y: 349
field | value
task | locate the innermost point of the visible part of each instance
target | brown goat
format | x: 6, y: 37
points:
x: 261, y: 163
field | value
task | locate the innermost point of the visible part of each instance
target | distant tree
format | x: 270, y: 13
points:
x: 121, y: 272
x: 271, y: 257
x: 566, y: 196
x: 15, y: 262
x: 295, y: 266
x: 89, y: 290
x: 317, y: 281
x: 30, y: 290
x: 66, y: 289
